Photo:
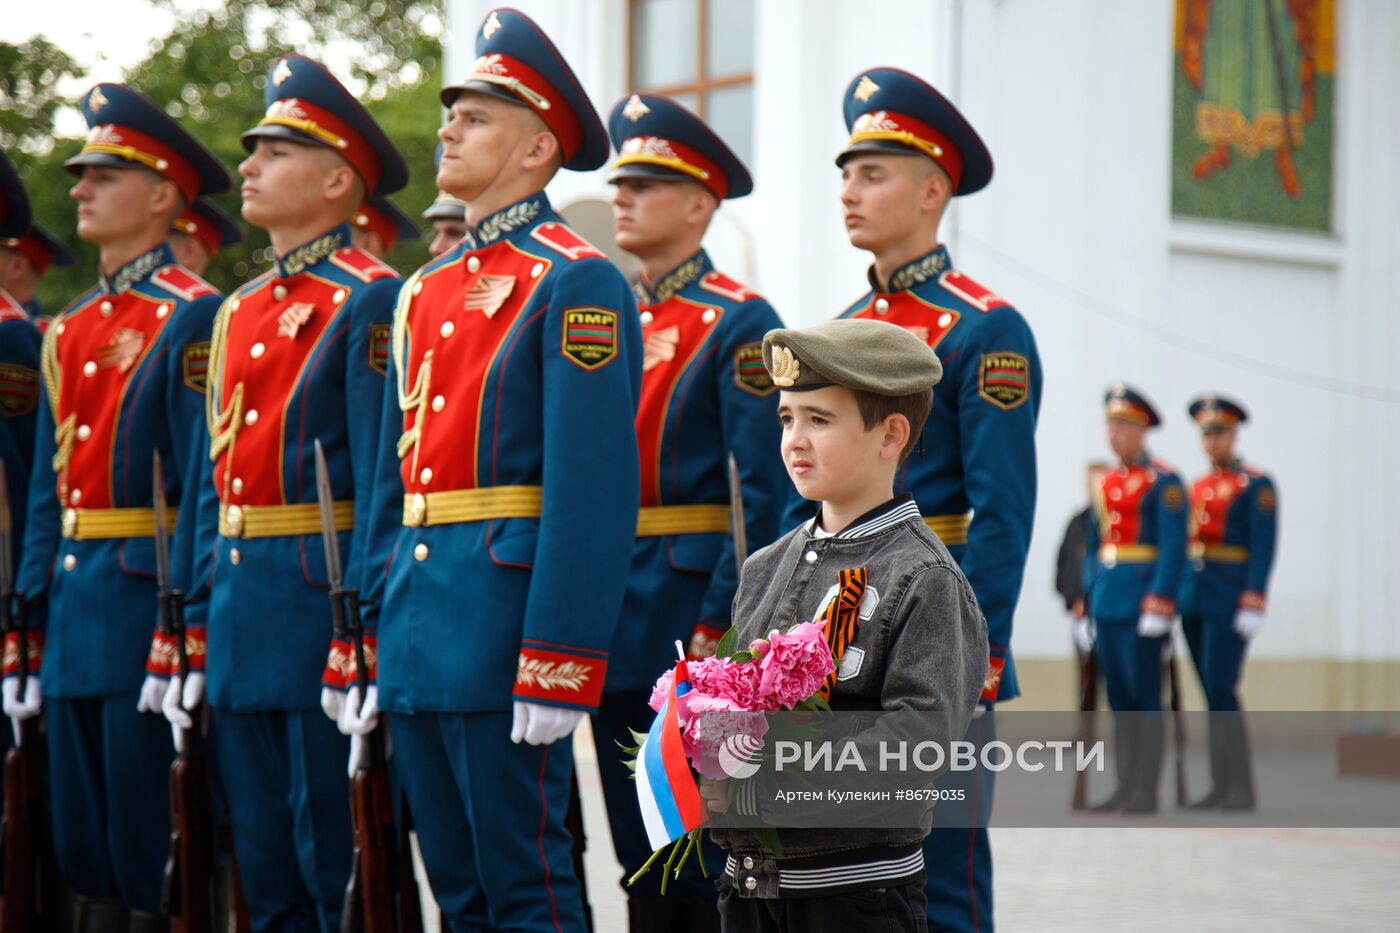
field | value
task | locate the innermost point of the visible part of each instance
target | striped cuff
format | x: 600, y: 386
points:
x: 343, y: 670
x: 992, y: 682
x: 36, y: 653
x: 1158, y: 605
x: 1253, y: 599
x: 163, y: 659
x: 560, y: 675
x: 703, y: 641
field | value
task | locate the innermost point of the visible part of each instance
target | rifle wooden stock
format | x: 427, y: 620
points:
x: 371, y: 897
x: 186, y: 895
x: 24, y: 785
x: 375, y: 900
x: 1088, y: 705
x: 187, y: 891
x: 23, y: 825
x: 1178, y: 729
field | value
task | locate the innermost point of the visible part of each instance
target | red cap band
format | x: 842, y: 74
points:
x: 321, y: 124
x: 531, y: 87
x: 32, y: 248
x: 134, y: 146
x: 914, y: 133
x: 367, y: 218
x: 656, y: 150
x: 202, y: 230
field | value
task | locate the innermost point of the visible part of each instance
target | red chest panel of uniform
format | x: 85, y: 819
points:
x: 99, y: 349
x: 673, y: 333
x: 463, y: 316
x: 1123, y: 489
x: 1210, y: 504
x: 927, y: 321
x: 271, y: 335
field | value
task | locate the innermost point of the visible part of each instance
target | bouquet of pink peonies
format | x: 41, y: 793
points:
x: 726, y: 697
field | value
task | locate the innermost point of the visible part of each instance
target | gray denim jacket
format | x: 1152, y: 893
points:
x: 921, y: 642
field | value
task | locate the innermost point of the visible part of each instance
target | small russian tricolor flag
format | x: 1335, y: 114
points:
x: 666, y: 790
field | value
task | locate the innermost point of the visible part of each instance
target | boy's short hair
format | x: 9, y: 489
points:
x: 875, y: 408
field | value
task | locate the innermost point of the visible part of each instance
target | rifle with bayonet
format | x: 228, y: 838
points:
x: 187, y: 894
x: 375, y: 899
x: 24, y: 813
x: 737, y: 528
x: 1088, y: 706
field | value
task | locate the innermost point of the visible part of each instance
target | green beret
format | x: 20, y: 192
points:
x: 872, y: 356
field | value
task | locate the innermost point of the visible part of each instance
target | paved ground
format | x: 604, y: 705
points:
x: 1136, y: 879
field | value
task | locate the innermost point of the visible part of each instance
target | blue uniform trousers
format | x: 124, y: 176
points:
x: 1217, y: 652
x: 958, y: 852
x: 617, y: 712
x: 109, y: 776
x: 1131, y: 665
x: 490, y: 820
x: 289, y: 806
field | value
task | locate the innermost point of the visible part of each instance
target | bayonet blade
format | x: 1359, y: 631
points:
x: 326, y: 501
x: 158, y: 505
x: 736, y: 516
x: 7, y: 569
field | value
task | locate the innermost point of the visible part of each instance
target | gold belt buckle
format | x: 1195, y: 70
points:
x: 235, y: 521
x: 417, y: 510
x: 70, y: 523
x: 1109, y: 556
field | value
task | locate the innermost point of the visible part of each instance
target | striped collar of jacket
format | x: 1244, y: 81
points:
x: 899, y: 509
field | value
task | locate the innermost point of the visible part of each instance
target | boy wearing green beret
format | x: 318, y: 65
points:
x: 905, y: 629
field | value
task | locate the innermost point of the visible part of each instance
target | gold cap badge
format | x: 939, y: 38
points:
x: 865, y: 88
x: 786, y: 369
x: 635, y: 109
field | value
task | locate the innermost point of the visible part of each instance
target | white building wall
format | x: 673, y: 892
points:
x: 1074, y: 101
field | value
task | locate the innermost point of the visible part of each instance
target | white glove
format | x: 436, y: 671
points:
x: 542, y: 725
x: 21, y: 709
x: 1248, y: 622
x: 359, y: 750
x: 1084, y: 634
x: 333, y: 703
x: 32, y: 702
x: 1153, y: 625
x: 179, y: 703
x: 360, y: 718
x: 152, y: 694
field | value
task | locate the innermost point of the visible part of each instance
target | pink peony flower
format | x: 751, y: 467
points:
x: 706, y: 735
x: 737, y: 683
x: 662, y: 690
x: 793, y: 669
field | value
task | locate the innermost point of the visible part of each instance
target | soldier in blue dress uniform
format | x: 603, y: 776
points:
x: 117, y: 384
x: 705, y: 394
x: 19, y: 364
x: 506, y: 497
x: 1135, y: 553
x: 199, y: 232
x: 910, y: 151
x: 1233, y: 533
x: 26, y: 253
x: 297, y: 355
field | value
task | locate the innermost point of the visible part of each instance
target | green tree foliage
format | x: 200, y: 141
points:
x: 29, y: 101
x: 210, y: 73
